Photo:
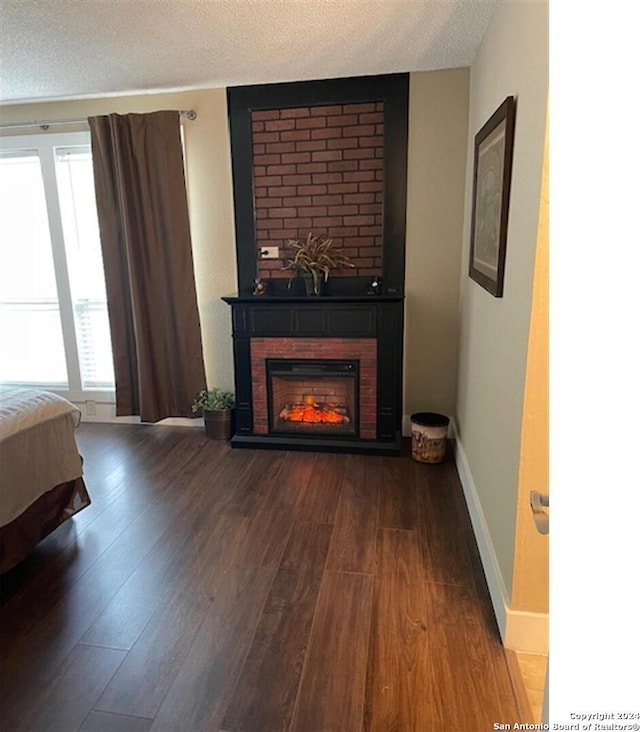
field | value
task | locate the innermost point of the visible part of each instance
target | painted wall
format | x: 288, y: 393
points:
x: 531, y: 563
x: 438, y: 127
x: 210, y: 201
x: 437, y: 148
x: 512, y: 59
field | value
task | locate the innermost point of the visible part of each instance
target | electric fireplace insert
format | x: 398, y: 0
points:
x: 313, y: 397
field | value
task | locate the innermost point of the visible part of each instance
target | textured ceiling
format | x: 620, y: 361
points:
x: 63, y: 49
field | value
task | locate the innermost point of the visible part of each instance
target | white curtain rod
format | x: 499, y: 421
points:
x: 188, y: 113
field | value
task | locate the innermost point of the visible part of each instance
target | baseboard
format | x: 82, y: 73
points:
x: 527, y: 632
x: 182, y: 422
x: 105, y: 413
x: 493, y: 575
x: 519, y: 630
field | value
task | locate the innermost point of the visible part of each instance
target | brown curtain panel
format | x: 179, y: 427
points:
x: 146, y: 244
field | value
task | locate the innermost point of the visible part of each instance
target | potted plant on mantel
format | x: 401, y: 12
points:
x: 215, y: 405
x: 315, y: 258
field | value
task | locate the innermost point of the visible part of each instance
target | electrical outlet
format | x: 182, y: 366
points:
x: 269, y: 253
x: 91, y: 408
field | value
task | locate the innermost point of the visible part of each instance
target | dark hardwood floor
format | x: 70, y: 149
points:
x: 216, y: 590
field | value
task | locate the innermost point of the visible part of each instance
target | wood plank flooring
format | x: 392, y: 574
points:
x: 216, y: 590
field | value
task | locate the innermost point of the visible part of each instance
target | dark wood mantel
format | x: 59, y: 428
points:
x: 309, y: 299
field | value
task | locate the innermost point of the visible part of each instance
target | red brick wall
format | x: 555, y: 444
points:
x: 320, y: 169
x: 361, y: 349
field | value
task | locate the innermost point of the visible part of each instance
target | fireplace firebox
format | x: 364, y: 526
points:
x: 313, y: 397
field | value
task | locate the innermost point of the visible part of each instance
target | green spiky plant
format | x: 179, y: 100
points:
x: 316, y: 256
x: 212, y: 399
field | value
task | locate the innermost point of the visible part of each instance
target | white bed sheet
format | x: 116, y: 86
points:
x: 37, y: 447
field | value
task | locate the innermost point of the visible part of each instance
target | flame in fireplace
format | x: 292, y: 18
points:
x: 314, y: 413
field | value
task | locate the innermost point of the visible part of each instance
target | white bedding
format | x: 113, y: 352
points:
x: 37, y: 447
x: 22, y: 408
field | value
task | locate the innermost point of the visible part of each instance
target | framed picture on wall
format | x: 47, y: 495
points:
x: 490, y: 209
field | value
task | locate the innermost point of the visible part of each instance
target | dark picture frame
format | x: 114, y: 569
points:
x: 493, y: 162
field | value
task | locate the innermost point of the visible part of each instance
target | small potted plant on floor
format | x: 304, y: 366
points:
x: 314, y: 259
x: 215, y: 405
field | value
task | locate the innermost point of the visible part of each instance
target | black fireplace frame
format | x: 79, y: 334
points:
x: 315, y: 368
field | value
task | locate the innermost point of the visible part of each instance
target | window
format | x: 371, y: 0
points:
x: 54, y: 328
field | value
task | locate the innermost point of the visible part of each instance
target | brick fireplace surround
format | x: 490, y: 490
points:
x: 361, y: 349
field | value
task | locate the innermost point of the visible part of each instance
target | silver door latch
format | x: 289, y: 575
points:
x: 539, y: 503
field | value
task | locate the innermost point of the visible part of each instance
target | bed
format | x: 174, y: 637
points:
x: 40, y: 469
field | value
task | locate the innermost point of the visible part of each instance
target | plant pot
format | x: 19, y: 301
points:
x: 314, y: 287
x: 217, y: 423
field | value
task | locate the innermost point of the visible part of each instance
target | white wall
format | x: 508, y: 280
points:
x: 438, y: 125
x: 512, y: 60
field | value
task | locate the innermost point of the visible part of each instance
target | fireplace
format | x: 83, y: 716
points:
x: 313, y: 397
x: 328, y: 156
x: 318, y: 373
